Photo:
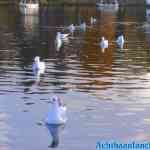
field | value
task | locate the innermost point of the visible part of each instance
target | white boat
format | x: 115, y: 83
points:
x: 112, y: 6
x: 29, y: 7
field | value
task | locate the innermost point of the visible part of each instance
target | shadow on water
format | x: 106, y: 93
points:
x: 54, y: 131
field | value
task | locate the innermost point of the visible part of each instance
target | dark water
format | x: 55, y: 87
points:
x: 107, y: 92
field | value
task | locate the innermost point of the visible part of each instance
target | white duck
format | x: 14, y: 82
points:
x: 103, y: 43
x: 120, y: 41
x: 38, y: 65
x: 71, y: 28
x: 57, y: 112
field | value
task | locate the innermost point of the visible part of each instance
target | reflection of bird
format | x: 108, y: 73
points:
x: 103, y: 43
x: 58, y: 43
x: 57, y: 112
x: 55, y: 131
x: 37, y: 74
x: 38, y: 65
x: 120, y: 41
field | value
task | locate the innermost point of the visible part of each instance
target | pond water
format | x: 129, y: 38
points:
x: 107, y: 93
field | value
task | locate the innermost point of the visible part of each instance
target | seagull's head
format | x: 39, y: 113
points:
x: 37, y: 59
x: 102, y: 38
x: 55, y: 100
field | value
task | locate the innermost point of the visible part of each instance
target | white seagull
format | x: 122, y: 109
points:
x: 38, y: 65
x: 71, y: 28
x: 103, y: 43
x: 62, y: 36
x: 120, y: 41
x: 57, y: 112
x: 93, y: 20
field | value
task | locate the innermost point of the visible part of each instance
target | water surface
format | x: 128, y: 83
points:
x: 107, y: 92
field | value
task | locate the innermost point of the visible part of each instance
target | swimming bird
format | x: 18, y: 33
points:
x: 38, y: 65
x: 93, y: 20
x: 62, y: 36
x: 57, y: 112
x: 148, y: 15
x: 120, y: 41
x: 83, y: 26
x: 71, y: 28
x: 103, y: 43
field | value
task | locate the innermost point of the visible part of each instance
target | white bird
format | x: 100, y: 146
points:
x: 120, y: 41
x: 83, y: 26
x: 93, y: 20
x: 38, y: 65
x: 57, y: 112
x: 71, y: 28
x: 103, y: 43
x: 62, y: 36
x: 148, y: 15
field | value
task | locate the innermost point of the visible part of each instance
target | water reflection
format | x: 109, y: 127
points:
x: 30, y: 24
x: 55, y: 131
x: 29, y: 8
x: 37, y: 74
x: 4, y: 129
x: 33, y: 81
x: 81, y: 57
x: 30, y: 85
